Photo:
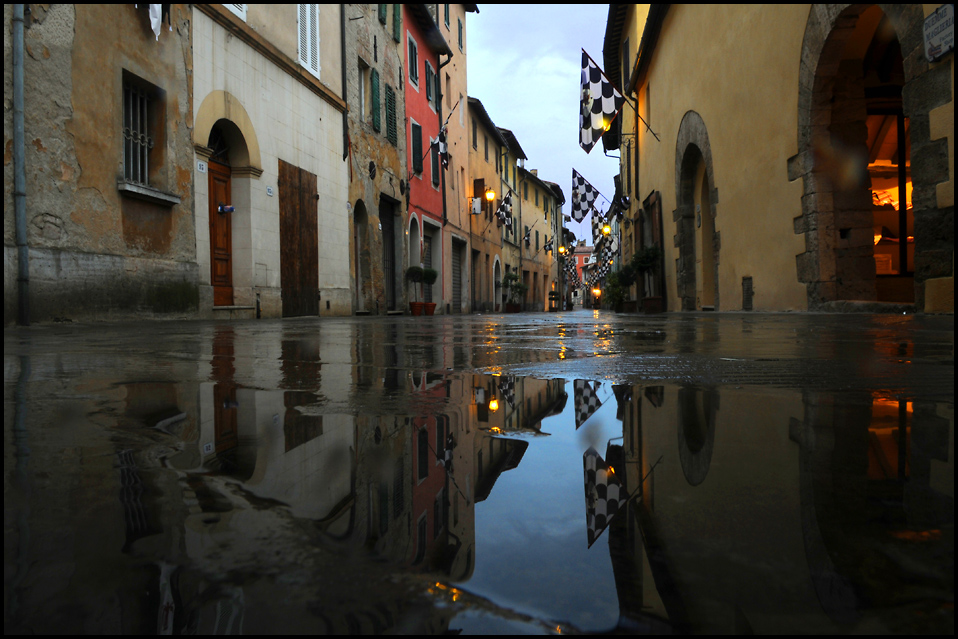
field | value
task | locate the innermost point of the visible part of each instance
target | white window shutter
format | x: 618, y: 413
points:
x: 239, y: 10
x: 308, y: 18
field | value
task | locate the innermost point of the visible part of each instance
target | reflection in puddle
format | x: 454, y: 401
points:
x: 331, y: 489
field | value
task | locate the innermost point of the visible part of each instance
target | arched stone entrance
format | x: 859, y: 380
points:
x: 362, y: 263
x: 872, y: 227
x: 697, y: 205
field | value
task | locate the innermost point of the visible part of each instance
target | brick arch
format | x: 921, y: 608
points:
x: 692, y: 147
x: 826, y: 32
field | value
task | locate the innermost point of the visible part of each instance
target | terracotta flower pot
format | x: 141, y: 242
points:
x: 429, y: 307
x: 415, y: 308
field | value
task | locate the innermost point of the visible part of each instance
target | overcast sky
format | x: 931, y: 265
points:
x: 524, y: 65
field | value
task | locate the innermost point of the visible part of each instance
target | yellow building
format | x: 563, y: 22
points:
x: 761, y: 150
x: 486, y: 146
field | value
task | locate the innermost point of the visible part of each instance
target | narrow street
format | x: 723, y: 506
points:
x: 744, y: 472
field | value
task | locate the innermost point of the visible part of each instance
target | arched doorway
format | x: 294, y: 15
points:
x: 855, y: 155
x: 415, y: 253
x: 362, y: 267
x: 228, y: 210
x: 697, y: 200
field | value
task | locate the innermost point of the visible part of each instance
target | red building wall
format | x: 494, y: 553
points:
x: 425, y: 199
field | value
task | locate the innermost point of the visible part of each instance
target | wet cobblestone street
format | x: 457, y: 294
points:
x: 529, y: 473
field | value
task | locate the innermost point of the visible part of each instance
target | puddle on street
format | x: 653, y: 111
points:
x: 274, y: 491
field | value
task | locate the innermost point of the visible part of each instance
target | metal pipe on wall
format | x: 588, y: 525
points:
x: 19, y: 173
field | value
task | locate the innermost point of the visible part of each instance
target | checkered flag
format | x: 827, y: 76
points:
x: 504, y: 212
x: 507, y: 386
x: 583, y: 195
x: 599, y: 104
x: 443, y: 148
x: 586, y: 401
x: 598, y: 219
x: 604, y: 494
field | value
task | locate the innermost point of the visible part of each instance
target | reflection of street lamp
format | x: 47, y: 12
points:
x: 493, y: 404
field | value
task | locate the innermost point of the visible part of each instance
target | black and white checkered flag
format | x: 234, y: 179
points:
x: 583, y: 195
x: 507, y: 386
x: 586, y: 401
x: 443, y: 148
x: 504, y: 212
x: 598, y: 219
x: 604, y: 494
x: 599, y: 104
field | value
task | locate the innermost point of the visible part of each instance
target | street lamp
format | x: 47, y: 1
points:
x: 606, y: 229
x: 490, y: 195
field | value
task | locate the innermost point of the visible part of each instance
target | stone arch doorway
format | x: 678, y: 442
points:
x: 865, y: 95
x: 696, y: 279
x: 362, y: 263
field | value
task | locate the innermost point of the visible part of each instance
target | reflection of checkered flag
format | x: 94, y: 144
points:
x: 599, y: 104
x: 586, y: 401
x: 583, y: 195
x: 604, y: 495
x: 507, y: 386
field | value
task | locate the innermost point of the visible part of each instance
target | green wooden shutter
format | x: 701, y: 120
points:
x: 416, y: 148
x: 397, y: 22
x: 382, y: 13
x: 391, y: 132
x: 374, y: 96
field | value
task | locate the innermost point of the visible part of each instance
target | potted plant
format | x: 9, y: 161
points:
x: 516, y: 290
x: 645, y: 262
x: 414, y: 275
x: 429, y: 277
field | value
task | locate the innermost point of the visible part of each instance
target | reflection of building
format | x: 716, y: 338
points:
x: 798, y: 511
x: 801, y: 210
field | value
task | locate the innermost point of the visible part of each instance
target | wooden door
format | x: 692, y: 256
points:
x: 299, y: 240
x: 221, y: 235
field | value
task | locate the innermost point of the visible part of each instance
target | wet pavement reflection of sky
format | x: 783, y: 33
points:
x: 342, y: 477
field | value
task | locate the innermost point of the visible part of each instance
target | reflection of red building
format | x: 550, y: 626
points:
x: 429, y: 500
x: 423, y: 44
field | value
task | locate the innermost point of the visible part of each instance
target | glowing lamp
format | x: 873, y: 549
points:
x: 490, y: 195
x: 493, y: 405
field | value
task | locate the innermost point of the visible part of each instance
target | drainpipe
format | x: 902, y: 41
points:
x: 19, y: 173
x: 342, y: 42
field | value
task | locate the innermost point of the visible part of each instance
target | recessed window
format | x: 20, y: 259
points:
x: 413, y: 62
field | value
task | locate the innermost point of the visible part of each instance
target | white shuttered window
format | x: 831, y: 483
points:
x: 309, y: 37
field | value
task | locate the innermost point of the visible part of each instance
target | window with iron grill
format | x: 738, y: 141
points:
x: 137, y: 141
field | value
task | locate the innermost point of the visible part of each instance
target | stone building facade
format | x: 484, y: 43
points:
x: 109, y: 191
x: 270, y: 167
x: 803, y: 210
x: 377, y: 156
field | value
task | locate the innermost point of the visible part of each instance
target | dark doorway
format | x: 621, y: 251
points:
x: 387, y: 221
